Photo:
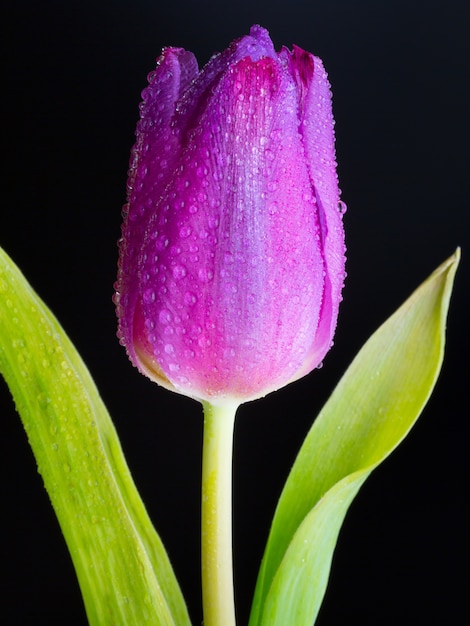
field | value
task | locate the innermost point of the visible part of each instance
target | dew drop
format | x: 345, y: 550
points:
x: 190, y: 298
x: 185, y: 231
x: 179, y: 271
x: 162, y: 242
x: 149, y: 296
x: 204, y: 342
x: 269, y: 154
x: 165, y: 317
x: 205, y: 275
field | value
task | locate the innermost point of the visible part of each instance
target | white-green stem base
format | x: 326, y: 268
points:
x: 217, y: 569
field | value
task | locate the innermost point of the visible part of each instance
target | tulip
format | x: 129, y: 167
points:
x: 232, y: 252
x: 231, y: 260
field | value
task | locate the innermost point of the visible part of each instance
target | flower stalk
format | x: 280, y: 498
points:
x: 216, y: 515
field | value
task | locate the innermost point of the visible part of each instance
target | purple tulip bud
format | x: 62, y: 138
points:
x: 232, y: 252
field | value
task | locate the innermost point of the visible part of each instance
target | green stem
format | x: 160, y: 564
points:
x: 217, y: 571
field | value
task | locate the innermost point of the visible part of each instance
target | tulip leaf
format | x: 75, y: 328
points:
x: 371, y: 410
x: 122, y: 567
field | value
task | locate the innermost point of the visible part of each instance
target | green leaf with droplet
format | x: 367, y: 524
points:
x: 370, y: 412
x: 122, y: 567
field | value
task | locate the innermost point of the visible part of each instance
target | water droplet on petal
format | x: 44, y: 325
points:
x: 205, y: 275
x: 179, y: 271
x: 269, y: 154
x: 162, y: 242
x: 149, y: 296
x: 185, y: 231
x: 190, y: 298
x: 165, y: 317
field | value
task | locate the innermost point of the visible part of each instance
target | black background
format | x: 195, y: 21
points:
x: 72, y: 76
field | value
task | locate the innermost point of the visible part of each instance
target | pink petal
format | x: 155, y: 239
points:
x: 317, y: 128
x: 151, y: 165
x: 233, y: 275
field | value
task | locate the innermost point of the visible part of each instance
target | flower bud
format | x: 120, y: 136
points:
x: 232, y: 253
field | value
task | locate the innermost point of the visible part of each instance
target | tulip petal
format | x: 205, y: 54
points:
x: 212, y: 283
x: 255, y: 46
x: 232, y: 256
x: 317, y: 128
x: 152, y: 160
x: 156, y: 148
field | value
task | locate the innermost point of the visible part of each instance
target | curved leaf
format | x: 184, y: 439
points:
x: 371, y: 410
x: 122, y: 567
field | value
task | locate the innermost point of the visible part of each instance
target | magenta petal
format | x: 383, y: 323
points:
x: 255, y: 46
x: 232, y: 258
x: 151, y: 165
x: 317, y: 128
x: 157, y: 147
x: 319, y: 145
x: 217, y: 297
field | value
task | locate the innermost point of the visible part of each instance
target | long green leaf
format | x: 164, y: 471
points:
x: 122, y: 567
x: 371, y: 410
